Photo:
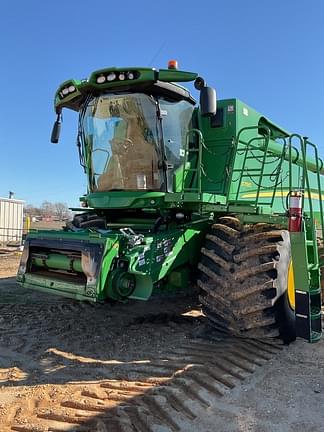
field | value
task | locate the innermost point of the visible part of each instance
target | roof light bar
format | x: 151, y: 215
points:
x: 117, y: 76
x: 67, y: 90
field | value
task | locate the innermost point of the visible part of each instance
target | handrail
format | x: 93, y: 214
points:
x: 294, y: 155
x: 190, y: 132
x: 249, y: 147
x: 318, y: 182
x: 305, y: 180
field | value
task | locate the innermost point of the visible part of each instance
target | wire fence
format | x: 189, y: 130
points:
x: 11, y: 236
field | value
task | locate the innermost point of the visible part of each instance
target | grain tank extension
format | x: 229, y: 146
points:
x: 180, y: 193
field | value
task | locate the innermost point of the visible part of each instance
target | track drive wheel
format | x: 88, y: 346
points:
x: 244, y: 274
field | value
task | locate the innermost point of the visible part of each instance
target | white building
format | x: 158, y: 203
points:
x: 11, y: 220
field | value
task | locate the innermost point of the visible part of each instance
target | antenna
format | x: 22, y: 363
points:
x: 157, y: 52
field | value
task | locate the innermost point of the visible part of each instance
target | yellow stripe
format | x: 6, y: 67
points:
x: 291, y: 286
x: 269, y: 194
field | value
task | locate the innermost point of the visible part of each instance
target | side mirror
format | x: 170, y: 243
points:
x: 56, y: 129
x: 208, y: 101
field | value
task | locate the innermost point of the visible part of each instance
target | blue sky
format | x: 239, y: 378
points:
x: 269, y: 54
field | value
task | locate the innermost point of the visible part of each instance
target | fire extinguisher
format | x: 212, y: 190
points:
x: 295, y: 211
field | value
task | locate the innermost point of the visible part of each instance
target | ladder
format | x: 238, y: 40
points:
x: 304, y: 249
x: 307, y: 283
x: 192, y: 165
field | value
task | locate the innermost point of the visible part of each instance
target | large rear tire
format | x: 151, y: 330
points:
x: 243, y: 276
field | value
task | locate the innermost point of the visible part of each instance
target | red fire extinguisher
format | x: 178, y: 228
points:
x: 295, y: 211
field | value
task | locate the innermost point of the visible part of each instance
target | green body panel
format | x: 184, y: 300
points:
x: 115, y: 200
x: 223, y: 161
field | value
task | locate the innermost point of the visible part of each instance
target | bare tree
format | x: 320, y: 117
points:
x: 47, y: 209
x: 31, y: 210
x: 61, y: 210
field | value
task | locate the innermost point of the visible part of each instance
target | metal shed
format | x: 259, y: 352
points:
x: 11, y: 220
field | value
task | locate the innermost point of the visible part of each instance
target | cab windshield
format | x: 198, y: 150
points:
x: 122, y: 141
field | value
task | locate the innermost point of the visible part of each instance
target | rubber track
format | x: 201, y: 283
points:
x: 237, y: 277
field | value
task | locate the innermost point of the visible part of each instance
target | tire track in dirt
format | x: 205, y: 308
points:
x: 171, y: 390
x: 145, y: 367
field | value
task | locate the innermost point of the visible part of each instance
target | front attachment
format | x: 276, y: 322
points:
x: 66, y: 267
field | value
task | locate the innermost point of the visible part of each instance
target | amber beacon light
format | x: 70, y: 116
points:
x: 172, y: 64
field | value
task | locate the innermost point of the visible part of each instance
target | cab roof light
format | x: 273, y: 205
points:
x: 70, y: 88
x: 101, y: 79
x: 172, y: 64
x: 111, y: 76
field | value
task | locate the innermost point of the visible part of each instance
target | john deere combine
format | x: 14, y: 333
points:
x: 182, y: 193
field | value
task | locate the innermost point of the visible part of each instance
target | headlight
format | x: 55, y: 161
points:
x: 121, y: 76
x: 111, y: 76
x: 71, y: 89
x: 130, y: 75
x: 101, y: 79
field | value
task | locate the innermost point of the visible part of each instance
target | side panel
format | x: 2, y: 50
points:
x: 219, y: 133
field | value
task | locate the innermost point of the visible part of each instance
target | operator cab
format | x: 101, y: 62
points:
x: 132, y: 139
x: 134, y: 126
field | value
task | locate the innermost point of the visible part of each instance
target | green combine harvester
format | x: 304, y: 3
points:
x: 180, y: 193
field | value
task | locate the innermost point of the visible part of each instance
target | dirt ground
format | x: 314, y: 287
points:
x: 47, y: 225
x: 68, y: 366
